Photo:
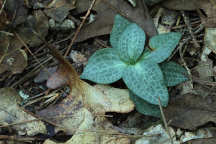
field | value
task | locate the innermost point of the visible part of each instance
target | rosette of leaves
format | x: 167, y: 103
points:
x: 140, y: 69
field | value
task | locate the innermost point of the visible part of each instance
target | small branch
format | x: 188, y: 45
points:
x: 186, y: 20
x: 79, y: 28
x: 26, y: 46
x: 164, y: 121
x: 3, y: 5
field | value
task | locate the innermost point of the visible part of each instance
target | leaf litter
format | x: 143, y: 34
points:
x: 84, y: 115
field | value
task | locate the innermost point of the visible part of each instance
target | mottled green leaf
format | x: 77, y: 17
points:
x: 145, y: 79
x: 163, y: 45
x: 120, y: 24
x: 144, y: 107
x: 104, y: 67
x: 131, y: 43
x: 173, y: 73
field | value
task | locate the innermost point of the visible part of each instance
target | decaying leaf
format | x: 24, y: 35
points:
x: 206, y: 5
x: 12, y: 57
x: 108, y: 98
x: 97, y: 133
x: 44, y: 74
x: 11, y: 113
x: 83, y: 107
x: 203, y: 141
x: 63, y: 3
x: 183, y: 4
x: 37, y: 22
x: 58, y: 10
x: 16, y: 11
x: 106, y: 11
x: 190, y: 111
x: 98, y: 99
x: 158, y: 135
x: 204, y: 70
x: 3, y: 17
x: 210, y: 39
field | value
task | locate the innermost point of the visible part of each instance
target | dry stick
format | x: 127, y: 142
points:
x: 184, y: 25
x: 105, y: 132
x: 196, y: 44
x: 164, y: 120
x: 30, y: 74
x: 185, y: 41
x: 2, y: 6
x: 179, y: 47
x: 78, y: 29
x: 25, y: 45
x: 18, y: 138
x: 185, y: 65
x: 158, y: 16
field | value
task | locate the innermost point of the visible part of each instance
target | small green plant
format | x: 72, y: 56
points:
x: 142, y: 70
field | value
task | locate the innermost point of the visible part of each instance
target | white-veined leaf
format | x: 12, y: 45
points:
x: 120, y: 24
x: 144, y: 107
x: 131, y: 43
x: 163, y: 45
x: 145, y: 79
x: 173, y: 73
x: 104, y: 67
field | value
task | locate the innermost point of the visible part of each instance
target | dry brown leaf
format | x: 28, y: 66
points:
x: 190, y: 111
x: 16, y: 11
x: 37, y: 22
x: 183, y: 4
x: 205, y: 5
x: 12, y: 57
x: 204, y: 70
x: 99, y: 133
x: 11, y: 113
x: 202, y: 141
x: 98, y: 99
x: 106, y: 10
x: 83, y: 107
x: 210, y: 39
x: 3, y: 17
x: 59, y: 10
x: 63, y: 3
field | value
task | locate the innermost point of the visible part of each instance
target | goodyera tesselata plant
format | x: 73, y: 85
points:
x: 140, y: 66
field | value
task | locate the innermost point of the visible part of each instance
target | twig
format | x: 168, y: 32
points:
x: 78, y: 29
x: 7, y: 33
x: 19, y: 138
x: 186, y: 20
x: 179, y: 47
x: 158, y: 16
x: 164, y: 120
x: 2, y: 6
x: 185, y: 65
x: 25, y: 45
x: 184, y: 41
x: 184, y: 25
